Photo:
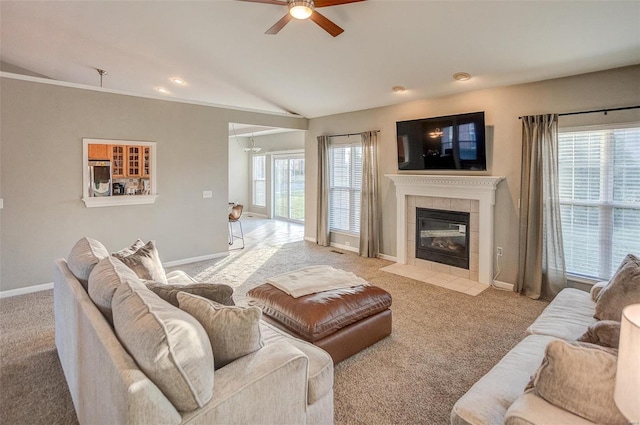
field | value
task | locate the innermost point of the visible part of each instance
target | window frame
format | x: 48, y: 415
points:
x: 352, y: 190
x: 605, y: 204
x: 255, y: 180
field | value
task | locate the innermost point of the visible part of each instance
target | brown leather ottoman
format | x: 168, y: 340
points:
x: 340, y: 321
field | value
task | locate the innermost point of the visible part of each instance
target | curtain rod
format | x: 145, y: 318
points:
x: 595, y: 111
x: 349, y: 134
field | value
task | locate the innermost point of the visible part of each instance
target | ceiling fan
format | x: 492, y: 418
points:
x: 303, y: 9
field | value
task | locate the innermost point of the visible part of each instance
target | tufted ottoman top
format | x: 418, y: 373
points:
x: 318, y: 315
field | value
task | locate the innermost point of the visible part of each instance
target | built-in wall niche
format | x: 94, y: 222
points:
x: 118, y: 172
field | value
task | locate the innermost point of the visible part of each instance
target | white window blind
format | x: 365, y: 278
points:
x: 600, y: 198
x: 345, y: 183
x: 259, y: 181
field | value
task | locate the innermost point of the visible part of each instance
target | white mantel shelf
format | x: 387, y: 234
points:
x: 480, y: 188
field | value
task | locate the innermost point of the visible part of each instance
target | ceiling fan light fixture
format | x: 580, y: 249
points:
x: 301, y: 9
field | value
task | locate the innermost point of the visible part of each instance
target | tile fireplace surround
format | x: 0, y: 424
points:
x: 473, y: 194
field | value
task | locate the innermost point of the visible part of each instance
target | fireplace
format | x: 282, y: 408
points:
x: 443, y: 236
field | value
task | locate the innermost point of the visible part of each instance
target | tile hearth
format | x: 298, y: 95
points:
x: 448, y: 281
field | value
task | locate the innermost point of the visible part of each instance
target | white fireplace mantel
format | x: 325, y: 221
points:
x: 480, y: 188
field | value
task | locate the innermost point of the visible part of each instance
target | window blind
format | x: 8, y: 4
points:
x: 345, y: 183
x: 599, y: 186
x: 259, y: 181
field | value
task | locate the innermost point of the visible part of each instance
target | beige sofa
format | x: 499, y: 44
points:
x: 499, y: 396
x: 287, y: 381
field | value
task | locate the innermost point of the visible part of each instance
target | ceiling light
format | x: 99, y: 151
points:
x: 398, y: 89
x: 178, y: 81
x: 461, y: 76
x: 301, y: 9
x: 162, y: 90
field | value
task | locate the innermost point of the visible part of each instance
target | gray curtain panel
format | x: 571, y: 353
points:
x: 322, y: 231
x: 369, y: 221
x: 541, y: 272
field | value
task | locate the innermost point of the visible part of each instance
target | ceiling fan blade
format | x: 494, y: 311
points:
x: 325, y: 3
x: 326, y: 24
x: 279, y: 25
x: 277, y: 2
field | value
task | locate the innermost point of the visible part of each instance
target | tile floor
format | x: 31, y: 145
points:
x: 262, y: 232
x: 443, y: 280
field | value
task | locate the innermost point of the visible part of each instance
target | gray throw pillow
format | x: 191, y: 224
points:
x: 579, y: 378
x: 233, y: 332
x: 83, y: 257
x: 145, y: 261
x: 622, y: 290
x: 129, y: 250
x: 169, y: 345
x: 105, y: 278
x: 605, y: 333
x: 220, y: 293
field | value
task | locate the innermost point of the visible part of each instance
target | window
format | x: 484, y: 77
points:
x: 259, y: 181
x: 345, y: 182
x: 599, y: 198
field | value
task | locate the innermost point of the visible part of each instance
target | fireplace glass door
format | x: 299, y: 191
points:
x: 443, y: 237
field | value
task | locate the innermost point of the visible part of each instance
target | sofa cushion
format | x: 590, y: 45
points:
x: 489, y: 398
x: 220, y: 293
x: 623, y: 289
x: 529, y: 409
x: 105, y: 278
x: 233, y: 332
x: 168, y: 344
x: 605, y: 333
x: 145, y: 261
x: 320, y: 362
x: 579, y: 378
x: 567, y: 317
x: 83, y: 257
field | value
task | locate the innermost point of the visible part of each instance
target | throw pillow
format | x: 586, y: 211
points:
x: 217, y: 292
x: 105, y: 278
x: 130, y: 249
x: 83, y: 257
x: 169, y: 345
x: 145, y: 261
x: 579, y: 378
x: 605, y: 333
x: 233, y: 331
x: 622, y: 290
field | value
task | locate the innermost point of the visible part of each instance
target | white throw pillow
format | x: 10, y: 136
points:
x: 233, y: 332
x: 169, y: 345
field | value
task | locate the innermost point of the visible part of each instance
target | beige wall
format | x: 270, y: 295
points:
x: 502, y: 106
x: 41, y: 175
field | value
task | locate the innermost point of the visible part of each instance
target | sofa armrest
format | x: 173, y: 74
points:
x: 268, y: 386
x: 529, y: 409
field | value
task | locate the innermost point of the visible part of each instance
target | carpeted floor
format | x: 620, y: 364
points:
x: 442, y: 342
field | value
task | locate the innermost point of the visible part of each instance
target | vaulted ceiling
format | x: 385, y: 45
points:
x: 221, y: 52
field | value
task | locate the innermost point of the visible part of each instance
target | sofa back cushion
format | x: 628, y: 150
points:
x: 623, y: 290
x: 218, y: 292
x: 104, y: 279
x: 233, y: 331
x: 83, y: 257
x: 168, y: 344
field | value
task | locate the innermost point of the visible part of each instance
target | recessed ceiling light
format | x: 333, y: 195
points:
x: 461, y: 76
x: 398, y: 89
x: 178, y: 81
x: 162, y: 90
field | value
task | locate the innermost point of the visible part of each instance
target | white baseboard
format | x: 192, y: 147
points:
x: 388, y: 257
x: 345, y: 247
x: 194, y: 259
x: 26, y: 290
x: 310, y: 239
x: 503, y: 285
x: 255, y: 214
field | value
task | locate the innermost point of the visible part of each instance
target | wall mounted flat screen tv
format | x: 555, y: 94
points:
x: 454, y: 142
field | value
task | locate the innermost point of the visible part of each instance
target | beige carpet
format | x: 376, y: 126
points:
x: 442, y: 342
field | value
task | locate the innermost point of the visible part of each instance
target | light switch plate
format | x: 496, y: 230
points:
x: 207, y: 194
